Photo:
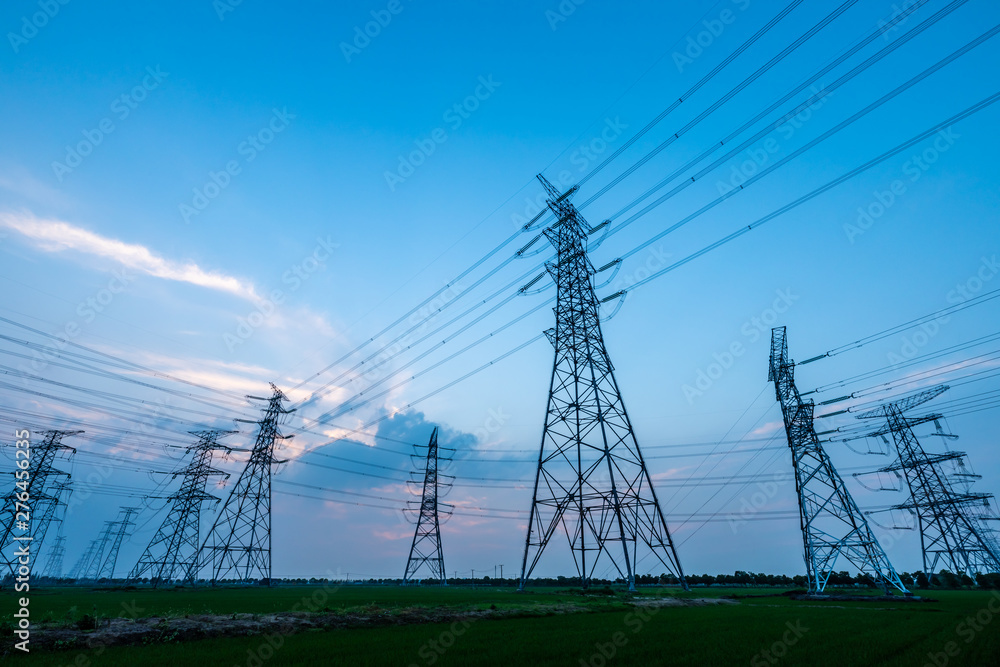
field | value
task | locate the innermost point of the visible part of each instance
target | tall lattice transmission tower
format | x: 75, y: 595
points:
x: 951, y: 519
x: 238, y: 546
x: 46, y: 495
x: 119, y: 530
x: 426, y: 546
x: 172, y: 551
x: 832, y: 525
x: 592, y: 482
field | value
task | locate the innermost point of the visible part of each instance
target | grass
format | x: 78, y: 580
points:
x: 828, y: 633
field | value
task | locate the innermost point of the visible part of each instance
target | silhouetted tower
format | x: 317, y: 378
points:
x: 238, y: 546
x: 172, y: 551
x: 592, y: 482
x: 92, y: 569
x: 54, y: 563
x: 49, y: 506
x: 120, y: 532
x: 80, y: 567
x: 951, y: 520
x: 832, y: 525
x: 40, y: 486
x: 426, y: 547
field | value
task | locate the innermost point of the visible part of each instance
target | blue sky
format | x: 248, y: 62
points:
x: 234, y: 153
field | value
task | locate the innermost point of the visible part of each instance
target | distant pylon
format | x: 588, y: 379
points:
x: 172, y: 551
x: 238, y: 546
x: 92, y: 569
x: 80, y: 568
x: 426, y: 546
x: 47, y: 508
x: 951, y: 521
x: 592, y: 481
x: 42, y: 491
x: 120, y: 530
x: 832, y: 525
x: 54, y: 563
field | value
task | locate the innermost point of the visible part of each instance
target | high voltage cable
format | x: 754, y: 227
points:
x: 937, y: 314
x: 801, y: 150
x: 693, y: 89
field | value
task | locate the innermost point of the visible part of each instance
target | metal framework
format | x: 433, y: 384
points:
x: 832, y: 525
x: 54, y: 564
x: 92, y: 568
x: 172, y: 551
x: 80, y: 567
x: 592, y: 481
x: 426, y: 546
x: 952, y: 521
x: 120, y: 528
x: 238, y: 546
x: 45, y: 496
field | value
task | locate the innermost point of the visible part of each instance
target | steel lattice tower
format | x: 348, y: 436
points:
x: 54, y: 564
x: 40, y: 488
x: 832, y: 525
x: 239, y: 543
x: 50, y: 503
x: 951, y: 529
x: 592, y: 480
x: 172, y: 551
x: 426, y: 547
x: 92, y: 568
x: 81, y: 565
x: 120, y: 528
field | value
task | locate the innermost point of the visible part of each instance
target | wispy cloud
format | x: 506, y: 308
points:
x: 58, y: 236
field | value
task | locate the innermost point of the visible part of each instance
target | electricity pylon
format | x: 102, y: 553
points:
x: 40, y: 486
x: 120, y: 528
x: 592, y: 481
x: 238, y: 546
x: 951, y: 521
x: 173, y: 549
x: 426, y: 546
x: 54, y: 563
x: 80, y: 568
x: 92, y: 569
x: 832, y: 525
x: 50, y: 503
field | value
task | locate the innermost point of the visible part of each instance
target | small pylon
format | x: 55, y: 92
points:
x: 426, y: 546
x: 54, y: 565
x: 951, y: 521
x: 120, y: 530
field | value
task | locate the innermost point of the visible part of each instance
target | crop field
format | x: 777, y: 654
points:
x: 375, y: 625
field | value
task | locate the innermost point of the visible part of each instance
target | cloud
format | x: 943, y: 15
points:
x: 57, y: 236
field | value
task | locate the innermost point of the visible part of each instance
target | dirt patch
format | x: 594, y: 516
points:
x: 682, y: 602
x: 157, y: 630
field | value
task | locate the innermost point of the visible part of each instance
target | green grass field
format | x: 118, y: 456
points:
x: 547, y: 627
